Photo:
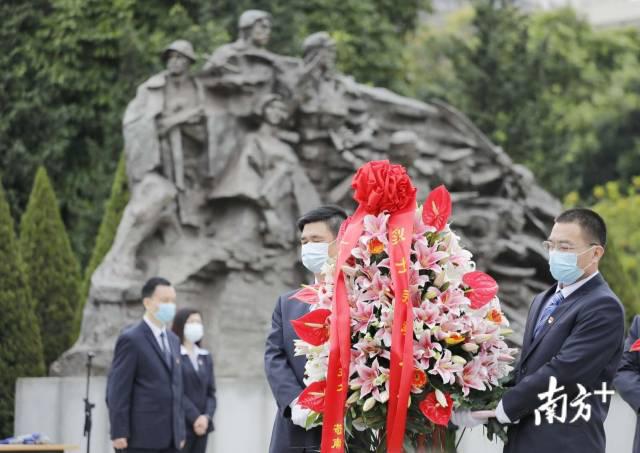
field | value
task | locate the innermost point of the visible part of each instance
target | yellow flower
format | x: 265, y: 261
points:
x: 454, y: 338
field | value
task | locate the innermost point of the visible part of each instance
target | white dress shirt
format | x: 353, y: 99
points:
x: 193, y: 358
x: 501, y: 415
x: 156, y: 333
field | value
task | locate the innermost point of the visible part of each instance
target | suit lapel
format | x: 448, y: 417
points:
x: 301, y: 308
x: 202, y: 372
x: 560, y: 311
x: 154, y: 344
x: 536, y: 306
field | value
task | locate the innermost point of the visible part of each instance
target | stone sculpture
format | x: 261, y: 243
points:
x: 221, y: 163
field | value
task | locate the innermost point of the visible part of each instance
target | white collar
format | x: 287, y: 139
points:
x: 568, y: 290
x: 155, y: 329
x: 199, y: 351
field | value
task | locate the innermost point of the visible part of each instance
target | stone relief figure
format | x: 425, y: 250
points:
x: 165, y: 145
x: 242, y: 72
x: 221, y: 164
x: 404, y: 147
x: 236, y: 77
x: 321, y: 105
x: 166, y: 107
x: 268, y: 172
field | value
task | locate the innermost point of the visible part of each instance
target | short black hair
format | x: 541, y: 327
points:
x: 150, y: 287
x: 180, y: 320
x: 590, y: 222
x: 332, y: 215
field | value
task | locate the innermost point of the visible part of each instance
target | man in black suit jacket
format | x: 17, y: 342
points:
x: 574, y: 333
x: 285, y: 372
x: 144, y: 388
x: 627, y: 380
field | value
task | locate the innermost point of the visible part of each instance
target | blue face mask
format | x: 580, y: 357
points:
x: 314, y: 255
x: 165, y: 313
x: 564, y: 266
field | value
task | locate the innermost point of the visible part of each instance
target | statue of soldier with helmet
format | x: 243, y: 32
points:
x: 165, y: 141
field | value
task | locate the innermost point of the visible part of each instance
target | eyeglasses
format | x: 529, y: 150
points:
x: 561, y: 246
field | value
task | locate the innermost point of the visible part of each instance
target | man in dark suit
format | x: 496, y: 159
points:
x: 144, y: 388
x: 627, y: 380
x: 574, y: 333
x: 285, y: 372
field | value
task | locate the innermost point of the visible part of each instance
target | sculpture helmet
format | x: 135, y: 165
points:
x: 183, y: 47
x: 402, y: 137
x: 251, y: 16
x: 317, y: 40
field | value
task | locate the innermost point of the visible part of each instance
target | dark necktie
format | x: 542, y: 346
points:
x: 556, y: 300
x: 165, y: 348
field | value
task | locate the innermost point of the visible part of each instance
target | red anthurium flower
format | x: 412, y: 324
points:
x: 635, y: 347
x: 313, y: 327
x: 482, y: 288
x: 308, y: 294
x: 437, y: 208
x: 435, y: 411
x: 313, y: 396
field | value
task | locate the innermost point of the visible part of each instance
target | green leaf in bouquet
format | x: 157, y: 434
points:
x: 375, y: 419
x: 312, y: 419
x: 496, y: 429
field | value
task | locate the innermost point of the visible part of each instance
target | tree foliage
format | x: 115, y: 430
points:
x: 21, y: 351
x: 71, y: 68
x: 113, y: 210
x: 556, y: 94
x: 53, y: 272
x: 619, y: 205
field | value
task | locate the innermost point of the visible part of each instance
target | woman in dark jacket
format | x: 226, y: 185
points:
x: 198, y: 379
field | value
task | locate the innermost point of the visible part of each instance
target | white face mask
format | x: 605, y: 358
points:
x: 314, y: 255
x: 193, y: 331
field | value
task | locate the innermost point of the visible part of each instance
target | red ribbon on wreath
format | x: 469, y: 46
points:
x: 379, y: 186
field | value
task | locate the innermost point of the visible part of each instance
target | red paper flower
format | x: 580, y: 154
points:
x: 434, y: 411
x: 482, y: 288
x: 313, y: 327
x: 381, y: 186
x: 313, y: 396
x: 437, y: 208
x: 308, y: 294
x: 635, y: 347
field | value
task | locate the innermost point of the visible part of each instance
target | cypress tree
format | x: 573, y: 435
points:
x: 52, y: 269
x: 21, y: 350
x: 113, y: 210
